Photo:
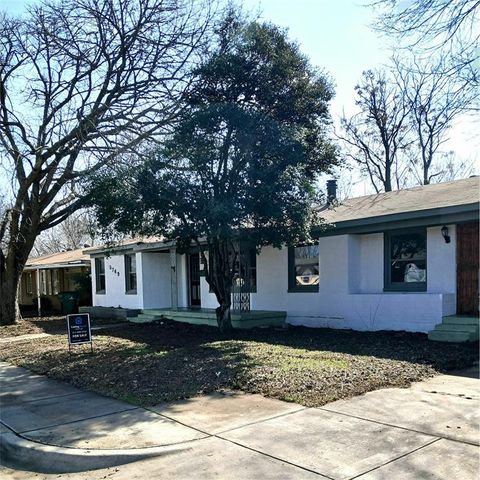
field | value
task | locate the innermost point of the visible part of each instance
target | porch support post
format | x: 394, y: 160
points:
x: 173, y: 278
x: 39, y: 303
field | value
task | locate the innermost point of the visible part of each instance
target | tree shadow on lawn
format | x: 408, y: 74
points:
x: 145, y: 374
x: 389, y: 345
x: 152, y: 363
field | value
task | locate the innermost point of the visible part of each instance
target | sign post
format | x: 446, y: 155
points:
x: 79, y: 331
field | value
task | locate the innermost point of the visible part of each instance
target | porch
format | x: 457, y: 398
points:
x: 207, y: 316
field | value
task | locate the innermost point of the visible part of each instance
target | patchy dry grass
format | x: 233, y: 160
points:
x: 147, y: 364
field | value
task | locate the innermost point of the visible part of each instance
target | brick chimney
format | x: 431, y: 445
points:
x: 331, y: 191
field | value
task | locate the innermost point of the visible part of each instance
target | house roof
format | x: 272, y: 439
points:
x: 442, y: 203
x: 125, y: 244
x: 61, y: 259
x: 436, y: 200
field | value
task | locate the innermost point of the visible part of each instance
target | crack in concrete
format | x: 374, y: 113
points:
x: 458, y: 395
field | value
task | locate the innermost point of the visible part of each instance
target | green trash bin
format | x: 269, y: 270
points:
x: 69, y: 302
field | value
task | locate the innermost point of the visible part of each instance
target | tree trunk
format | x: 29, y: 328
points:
x: 224, y: 319
x: 426, y: 176
x: 11, y: 268
x: 9, y: 311
x: 388, y: 177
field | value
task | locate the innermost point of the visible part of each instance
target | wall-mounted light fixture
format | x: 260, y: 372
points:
x: 445, y: 234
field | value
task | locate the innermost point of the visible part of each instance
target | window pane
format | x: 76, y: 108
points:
x: 306, y: 265
x: 100, y: 274
x: 130, y: 273
x: 408, y: 258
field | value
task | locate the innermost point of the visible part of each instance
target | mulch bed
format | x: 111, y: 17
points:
x: 148, y: 364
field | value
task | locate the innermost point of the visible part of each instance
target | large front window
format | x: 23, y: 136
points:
x: 406, y: 260
x: 304, y: 274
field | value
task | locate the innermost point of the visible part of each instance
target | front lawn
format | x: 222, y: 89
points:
x: 148, y: 364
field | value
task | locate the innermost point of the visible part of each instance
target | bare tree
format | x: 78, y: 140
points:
x: 376, y: 136
x: 76, y: 231
x: 431, y: 25
x: 81, y: 82
x: 434, y: 101
x: 451, y: 167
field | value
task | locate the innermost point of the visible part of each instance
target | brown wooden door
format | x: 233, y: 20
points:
x: 467, y: 268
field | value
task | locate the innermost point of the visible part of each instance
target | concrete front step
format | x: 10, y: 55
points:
x: 461, y: 320
x: 454, y: 327
x: 250, y: 319
x: 144, y: 318
x: 451, y: 336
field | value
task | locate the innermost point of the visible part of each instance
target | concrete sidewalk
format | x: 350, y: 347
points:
x: 428, y: 431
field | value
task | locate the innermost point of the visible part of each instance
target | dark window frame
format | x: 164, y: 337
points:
x: 388, y: 285
x: 129, y: 290
x: 292, y: 283
x: 98, y: 276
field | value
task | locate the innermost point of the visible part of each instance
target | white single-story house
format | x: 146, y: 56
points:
x: 401, y: 260
x: 46, y: 276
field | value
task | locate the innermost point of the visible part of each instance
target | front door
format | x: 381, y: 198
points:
x: 467, y: 269
x: 194, y: 279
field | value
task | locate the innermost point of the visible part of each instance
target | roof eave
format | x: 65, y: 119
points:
x: 45, y: 266
x: 425, y: 218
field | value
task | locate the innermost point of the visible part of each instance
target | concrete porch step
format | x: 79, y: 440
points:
x: 461, y: 320
x: 452, y: 336
x: 145, y: 318
x: 207, y: 316
x: 454, y: 327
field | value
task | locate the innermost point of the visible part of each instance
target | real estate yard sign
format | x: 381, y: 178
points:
x: 79, y: 331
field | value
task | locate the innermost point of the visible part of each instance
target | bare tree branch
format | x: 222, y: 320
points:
x: 82, y: 82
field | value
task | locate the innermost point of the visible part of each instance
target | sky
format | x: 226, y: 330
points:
x: 336, y: 36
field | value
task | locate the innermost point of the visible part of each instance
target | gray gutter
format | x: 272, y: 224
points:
x: 419, y: 218
x: 48, y: 266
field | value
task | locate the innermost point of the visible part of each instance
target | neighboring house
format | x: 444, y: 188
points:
x: 48, y: 275
x: 400, y: 260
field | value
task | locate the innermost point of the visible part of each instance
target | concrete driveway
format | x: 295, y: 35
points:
x: 430, y: 431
